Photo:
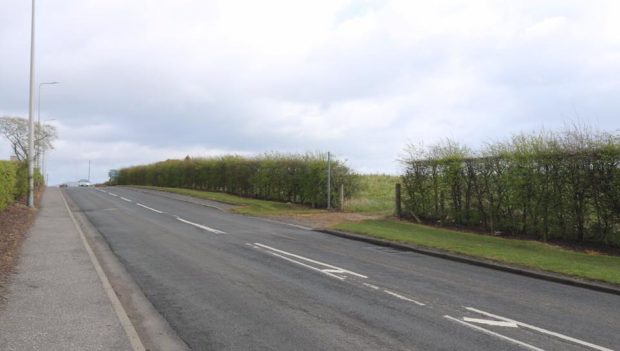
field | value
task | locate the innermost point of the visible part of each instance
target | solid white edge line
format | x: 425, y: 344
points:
x: 311, y: 260
x: 497, y: 335
x: 125, y: 199
x: 204, y: 227
x: 148, y: 208
x: 403, y: 297
x: 130, y: 330
x: 541, y: 330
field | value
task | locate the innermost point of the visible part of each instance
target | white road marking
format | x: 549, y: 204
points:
x: 285, y: 223
x: 125, y: 199
x: 330, y: 270
x: 148, y: 208
x: 489, y: 332
x: 306, y: 265
x: 403, y: 297
x: 541, y: 330
x: 371, y: 286
x: 204, y: 227
x: 112, y: 194
x: 491, y: 322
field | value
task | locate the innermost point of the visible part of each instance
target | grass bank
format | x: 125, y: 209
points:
x: 247, y: 206
x: 525, y: 253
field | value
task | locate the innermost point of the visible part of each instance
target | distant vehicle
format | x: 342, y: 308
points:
x: 64, y: 185
x: 84, y: 182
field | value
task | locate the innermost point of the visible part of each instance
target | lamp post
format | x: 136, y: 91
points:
x: 39, y: 120
x: 30, y: 117
x: 43, y: 165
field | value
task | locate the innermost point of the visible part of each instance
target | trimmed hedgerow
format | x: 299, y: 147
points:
x: 295, y: 178
x: 562, y: 185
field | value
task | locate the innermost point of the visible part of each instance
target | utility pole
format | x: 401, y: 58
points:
x: 30, y: 116
x: 329, y: 181
x: 89, y: 171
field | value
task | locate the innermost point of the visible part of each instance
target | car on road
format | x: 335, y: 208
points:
x: 84, y: 183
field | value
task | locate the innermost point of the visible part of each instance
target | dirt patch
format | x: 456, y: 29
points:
x: 15, y: 221
x: 325, y: 219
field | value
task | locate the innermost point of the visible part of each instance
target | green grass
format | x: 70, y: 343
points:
x: 247, y: 206
x: 375, y: 195
x: 526, y: 253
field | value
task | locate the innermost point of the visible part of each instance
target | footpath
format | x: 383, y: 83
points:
x: 56, y: 299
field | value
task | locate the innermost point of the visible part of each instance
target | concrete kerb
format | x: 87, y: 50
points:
x: 556, y: 278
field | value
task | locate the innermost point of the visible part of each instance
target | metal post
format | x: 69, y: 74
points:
x: 329, y: 181
x: 89, y: 171
x: 30, y: 116
x: 397, y: 204
x: 341, y: 197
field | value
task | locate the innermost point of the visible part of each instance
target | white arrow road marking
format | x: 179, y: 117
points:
x: 491, y: 322
x: 492, y: 333
x: 148, y: 208
x: 204, y: 227
x: 331, y: 271
x: 541, y: 330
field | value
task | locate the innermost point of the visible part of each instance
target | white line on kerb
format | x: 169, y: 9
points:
x: 148, y: 208
x: 204, y: 227
x: 125, y: 199
x: 486, y: 331
x: 541, y: 330
x: 403, y: 297
x: 331, y: 269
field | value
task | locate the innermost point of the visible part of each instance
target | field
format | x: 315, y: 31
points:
x: 375, y: 195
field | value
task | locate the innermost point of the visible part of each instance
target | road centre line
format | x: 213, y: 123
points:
x: 403, y: 297
x: 371, y: 286
x: 111, y: 193
x: 491, y: 322
x: 125, y: 199
x: 332, y: 269
x: 204, y: 227
x: 306, y: 265
x: 541, y: 330
x: 148, y: 208
x: 489, y: 332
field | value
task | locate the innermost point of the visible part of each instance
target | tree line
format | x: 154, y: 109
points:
x: 563, y: 185
x: 295, y: 178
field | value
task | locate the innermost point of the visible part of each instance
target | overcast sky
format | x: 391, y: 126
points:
x: 147, y: 80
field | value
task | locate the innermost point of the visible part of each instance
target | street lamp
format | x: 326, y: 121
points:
x: 39, y: 119
x: 30, y: 117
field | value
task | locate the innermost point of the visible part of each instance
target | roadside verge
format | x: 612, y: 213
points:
x: 557, y: 278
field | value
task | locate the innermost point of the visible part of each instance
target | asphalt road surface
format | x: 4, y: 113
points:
x: 229, y: 282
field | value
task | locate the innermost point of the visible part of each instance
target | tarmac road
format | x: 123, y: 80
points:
x: 229, y: 282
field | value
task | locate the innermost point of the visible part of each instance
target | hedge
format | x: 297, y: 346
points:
x: 14, y: 182
x: 562, y: 185
x: 295, y: 178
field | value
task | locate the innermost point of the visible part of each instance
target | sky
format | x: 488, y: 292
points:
x: 148, y: 80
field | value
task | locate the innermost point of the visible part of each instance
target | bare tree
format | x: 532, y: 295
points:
x: 15, y: 129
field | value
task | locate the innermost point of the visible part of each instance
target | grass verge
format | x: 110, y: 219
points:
x: 375, y: 194
x: 525, y: 253
x: 247, y: 206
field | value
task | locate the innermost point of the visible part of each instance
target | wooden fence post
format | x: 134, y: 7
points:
x: 397, y: 207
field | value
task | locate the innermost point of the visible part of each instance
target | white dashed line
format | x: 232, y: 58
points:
x: 125, y: 199
x: 371, y: 286
x: 110, y: 193
x: 204, y: 227
x: 403, y: 297
x: 148, y: 208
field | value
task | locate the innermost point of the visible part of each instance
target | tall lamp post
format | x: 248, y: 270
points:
x: 39, y: 120
x: 30, y: 117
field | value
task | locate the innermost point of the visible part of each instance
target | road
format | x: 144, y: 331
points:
x: 229, y: 282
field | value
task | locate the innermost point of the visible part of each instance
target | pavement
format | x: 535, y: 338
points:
x: 56, y: 299
x: 228, y: 282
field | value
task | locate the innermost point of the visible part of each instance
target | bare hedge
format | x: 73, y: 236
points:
x: 549, y: 186
x: 14, y: 181
x: 298, y: 179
